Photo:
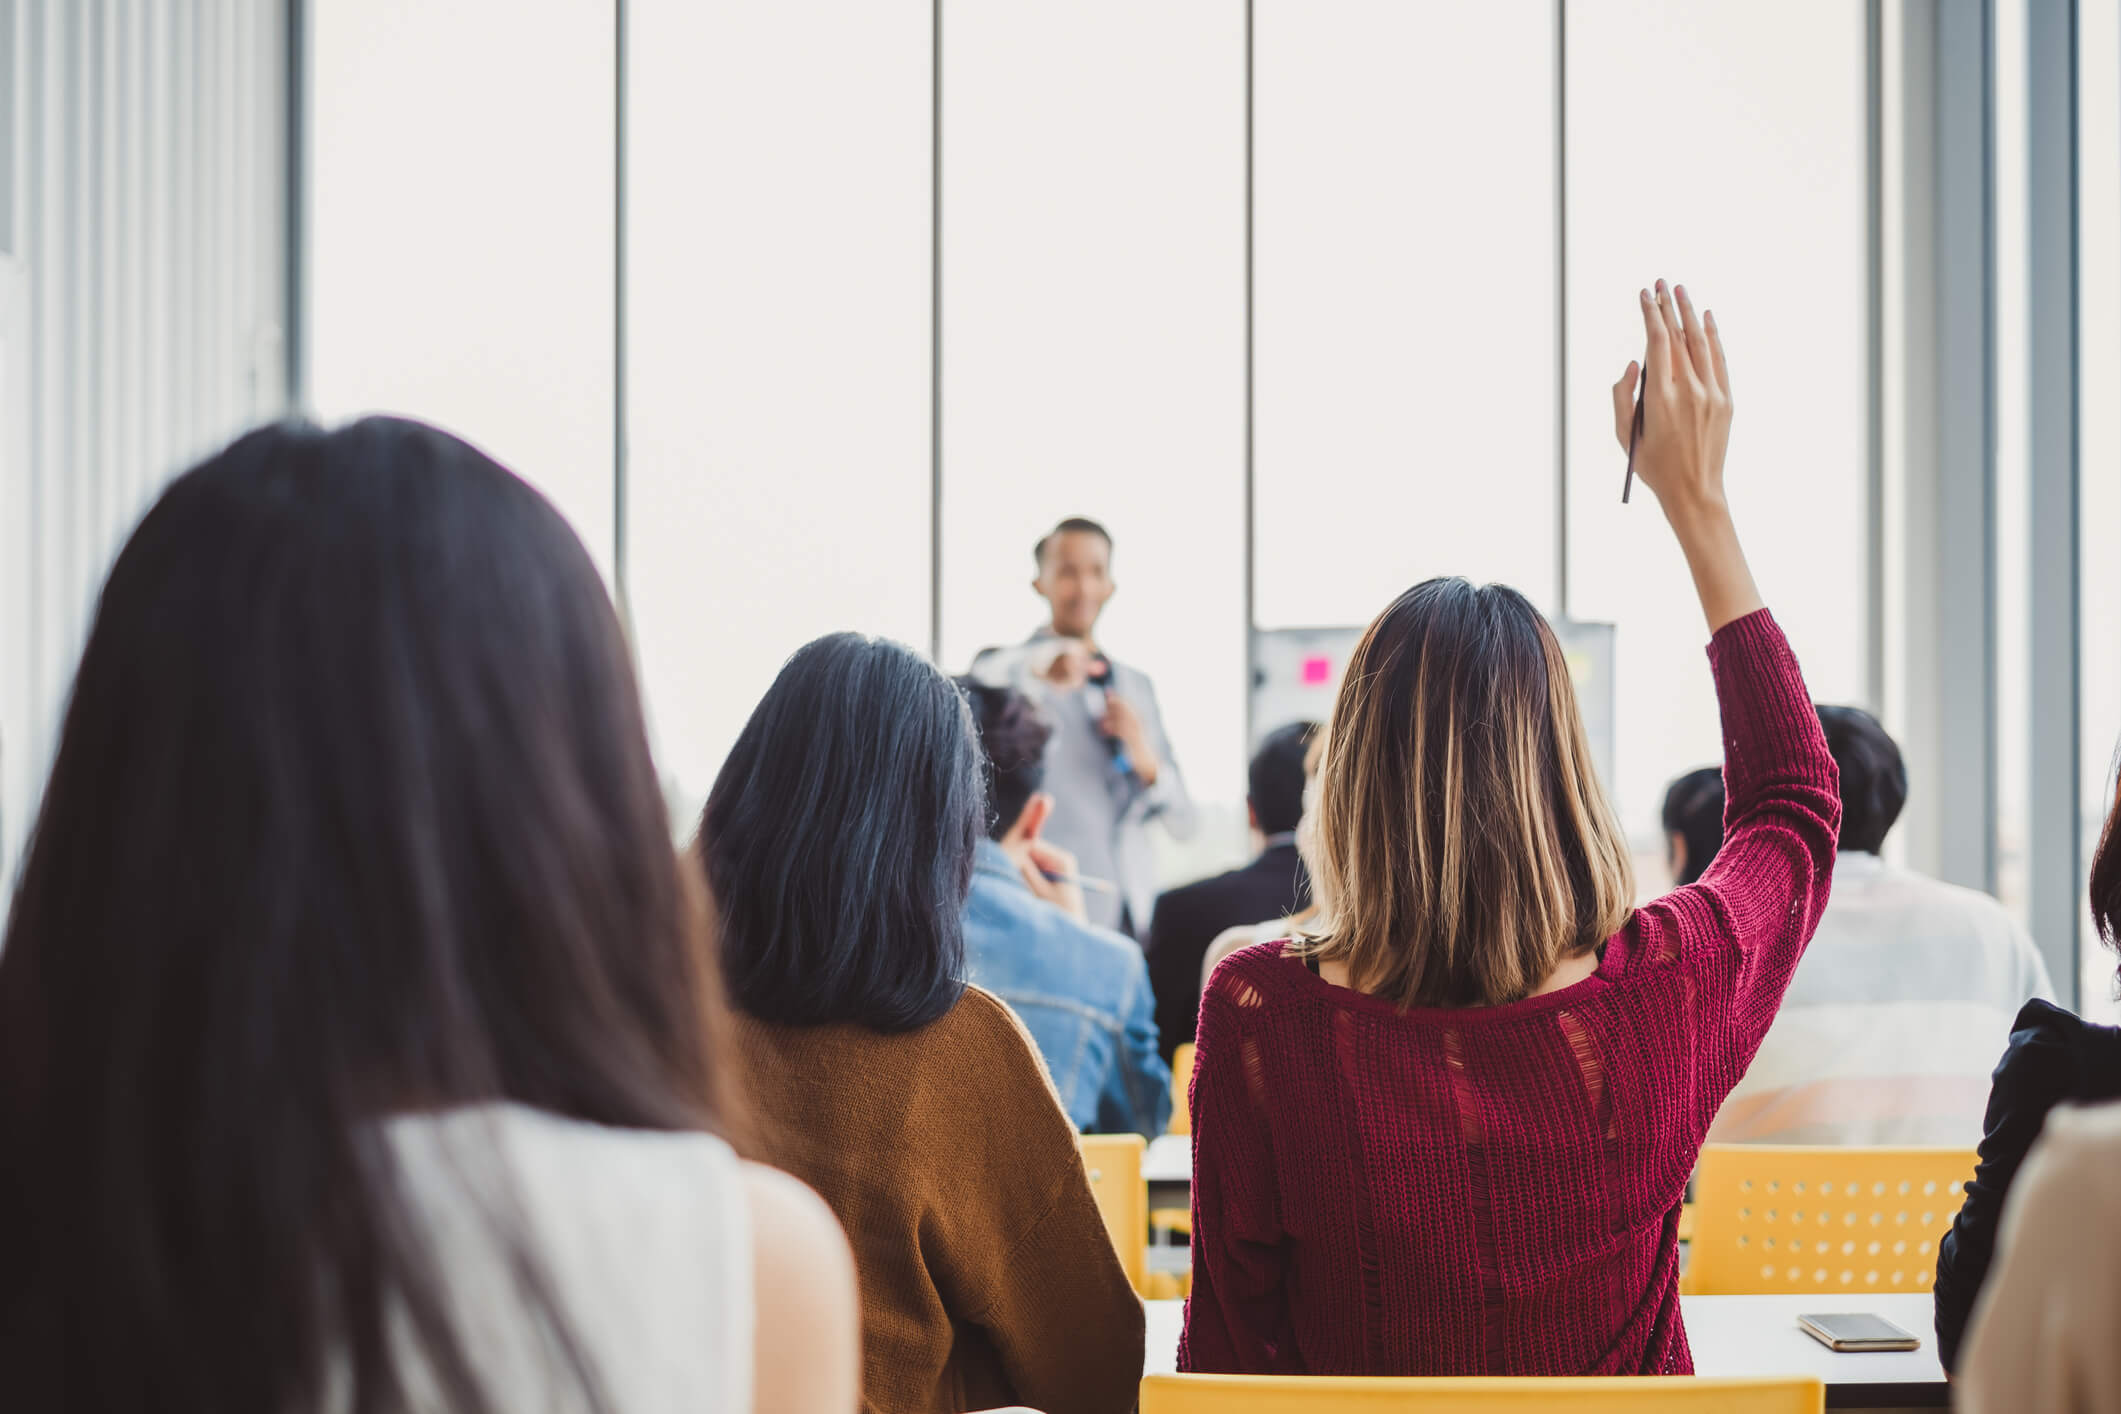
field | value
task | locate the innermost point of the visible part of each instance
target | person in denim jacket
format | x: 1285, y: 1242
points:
x: 1082, y: 991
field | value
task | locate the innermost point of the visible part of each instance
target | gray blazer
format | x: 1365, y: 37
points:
x: 1101, y: 813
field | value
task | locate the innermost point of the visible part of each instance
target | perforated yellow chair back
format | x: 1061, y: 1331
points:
x: 1181, y: 1084
x: 1783, y: 1218
x: 1296, y: 1394
x: 1114, y: 1162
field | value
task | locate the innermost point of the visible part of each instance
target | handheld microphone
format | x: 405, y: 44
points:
x: 1101, y: 679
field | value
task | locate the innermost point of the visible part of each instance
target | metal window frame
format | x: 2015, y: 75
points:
x: 1560, y: 40
x: 1949, y: 424
x: 1951, y: 586
x: 1874, y: 579
x: 1250, y: 492
x: 297, y: 197
x: 2053, y: 841
x: 935, y: 331
x: 619, y: 93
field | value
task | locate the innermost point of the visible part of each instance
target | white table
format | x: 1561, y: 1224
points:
x: 1748, y: 1335
x: 1169, y: 1159
x: 1758, y: 1335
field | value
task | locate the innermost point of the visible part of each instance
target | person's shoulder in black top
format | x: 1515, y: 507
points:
x: 1190, y: 918
x: 2053, y: 1056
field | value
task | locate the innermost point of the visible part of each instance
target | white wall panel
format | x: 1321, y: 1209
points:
x: 1723, y: 146
x: 1093, y: 344
x: 140, y: 321
x: 1404, y: 287
x: 778, y: 348
x: 463, y: 230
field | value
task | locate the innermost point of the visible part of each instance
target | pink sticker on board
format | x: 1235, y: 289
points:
x: 1318, y: 670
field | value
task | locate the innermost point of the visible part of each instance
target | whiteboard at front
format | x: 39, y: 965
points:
x: 1296, y: 674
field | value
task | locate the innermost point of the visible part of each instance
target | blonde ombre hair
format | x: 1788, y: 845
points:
x: 1462, y: 835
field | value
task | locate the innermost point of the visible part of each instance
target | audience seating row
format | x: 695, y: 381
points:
x: 1766, y: 1218
x: 1788, y: 1218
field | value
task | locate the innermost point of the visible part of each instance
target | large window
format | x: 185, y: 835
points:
x: 868, y: 359
x: 777, y: 355
x: 1404, y: 314
x: 1093, y: 301
x: 1725, y: 146
x: 462, y: 230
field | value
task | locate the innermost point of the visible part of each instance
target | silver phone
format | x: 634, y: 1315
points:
x: 1857, y: 1330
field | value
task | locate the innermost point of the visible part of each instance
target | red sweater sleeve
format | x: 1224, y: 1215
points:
x: 1738, y: 933
x: 1237, y: 1316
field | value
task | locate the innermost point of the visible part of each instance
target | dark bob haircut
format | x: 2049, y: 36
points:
x: 1012, y: 739
x: 839, y: 839
x: 1693, y: 810
x: 352, y: 815
x: 1274, y: 782
x: 1873, y: 777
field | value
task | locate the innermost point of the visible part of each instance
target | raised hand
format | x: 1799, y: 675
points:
x: 1686, y: 428
x: 1686, y: 417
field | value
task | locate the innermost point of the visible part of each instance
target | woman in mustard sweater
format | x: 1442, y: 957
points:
x: 838, y: 842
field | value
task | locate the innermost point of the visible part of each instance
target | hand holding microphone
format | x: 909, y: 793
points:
x: 1074, y: 664
x: 1124, y: 733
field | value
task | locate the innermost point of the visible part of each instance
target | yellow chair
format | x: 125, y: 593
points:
x: 1181, y: 1083
x: 1178, y: 1220
x: 1167, y: 1286
x: 1114, y: 1162
x: 1784, y: 1218
x: 1622, y: 1394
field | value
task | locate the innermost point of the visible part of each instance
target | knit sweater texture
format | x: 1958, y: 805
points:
x: 987, y: 1277
x: 1496, y: 1190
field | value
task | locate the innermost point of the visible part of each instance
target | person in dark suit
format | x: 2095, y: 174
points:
x: 1274, y: 884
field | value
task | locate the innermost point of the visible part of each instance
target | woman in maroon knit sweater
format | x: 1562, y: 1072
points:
x: 1448, y: 1132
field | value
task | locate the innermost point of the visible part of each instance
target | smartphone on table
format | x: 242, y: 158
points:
x: 1857, y: 1330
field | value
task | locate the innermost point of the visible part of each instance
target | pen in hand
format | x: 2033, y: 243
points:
x: 1095, y: 885
x: 1634, y: 436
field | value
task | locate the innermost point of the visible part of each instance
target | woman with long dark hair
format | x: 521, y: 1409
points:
x: 358, y: 1030
x: 1447, y: 1128
x: 839, y: 842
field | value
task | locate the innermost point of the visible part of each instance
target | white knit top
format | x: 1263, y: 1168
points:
x: 644, y: 1238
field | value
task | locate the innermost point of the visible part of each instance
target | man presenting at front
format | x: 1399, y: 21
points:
x: 1108, y: 763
